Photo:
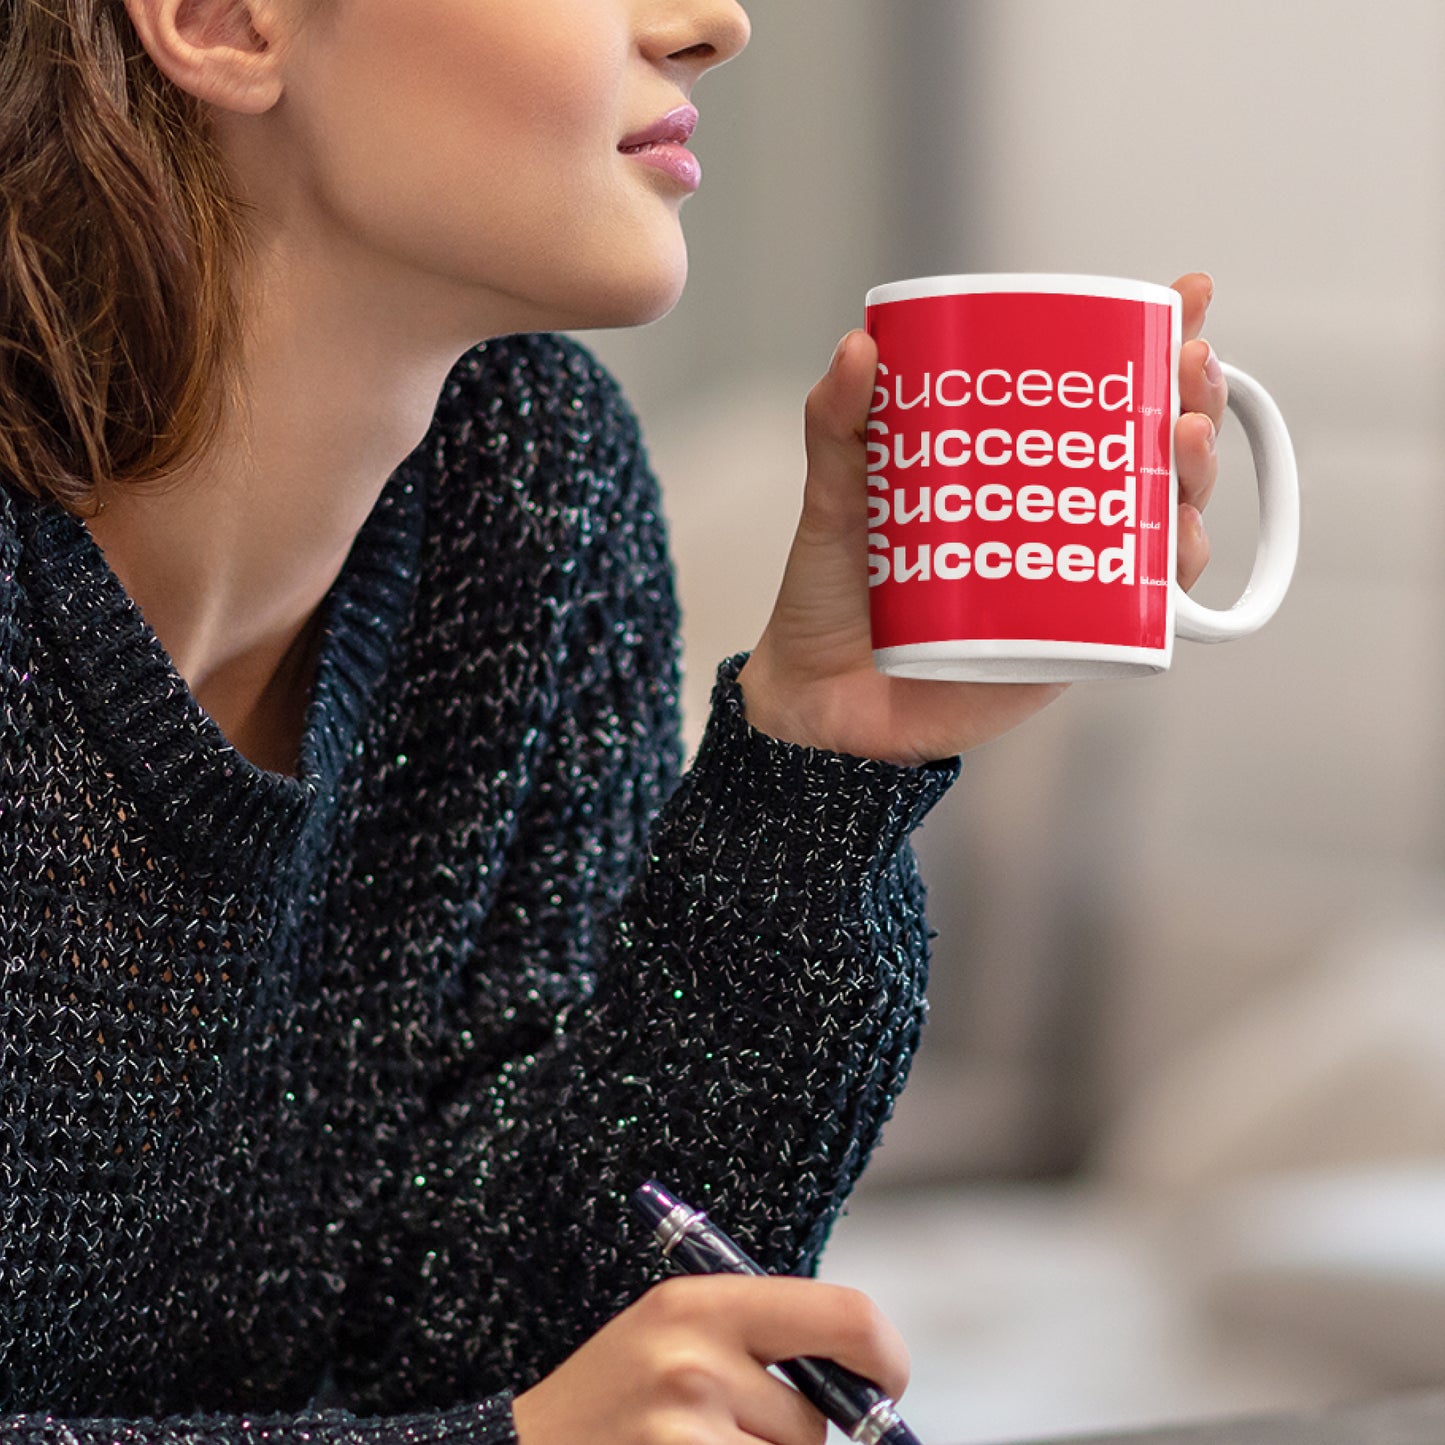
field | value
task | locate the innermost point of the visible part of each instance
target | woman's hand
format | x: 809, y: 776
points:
x: 688, y: 1362
x: 811, y: 677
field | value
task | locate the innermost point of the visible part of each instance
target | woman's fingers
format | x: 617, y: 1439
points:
x: 1203, y: 396
x: 1202, y: 387
x: 688, y: 1361
x: 834, y: 428
x: 780, y: 1317
x: 843, y: 1325
x: 1196, y: 458
x: 1193, y: 546
x: 1197, y: 465
x: 1196, y: 291
x: 726, y: 1396
x: 772, y: 1410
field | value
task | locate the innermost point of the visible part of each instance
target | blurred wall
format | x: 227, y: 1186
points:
x: 1127, y: 874
x: 1270, y: 797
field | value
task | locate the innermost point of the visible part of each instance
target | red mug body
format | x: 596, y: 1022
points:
x: 1021, y: 484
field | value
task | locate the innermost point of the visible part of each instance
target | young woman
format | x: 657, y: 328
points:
x: 362, y: 949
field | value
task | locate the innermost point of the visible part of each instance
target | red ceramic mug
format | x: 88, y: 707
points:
x: 1021, y: 484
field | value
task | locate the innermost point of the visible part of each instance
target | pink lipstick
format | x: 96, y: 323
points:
x: 663, y: 145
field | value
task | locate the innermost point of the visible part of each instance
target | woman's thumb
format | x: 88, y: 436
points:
x: 835, y: 428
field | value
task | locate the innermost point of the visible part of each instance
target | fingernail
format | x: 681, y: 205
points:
x: 838, y: 351
x: 1213, y: 371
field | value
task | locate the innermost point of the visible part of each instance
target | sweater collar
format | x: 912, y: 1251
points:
x: 210, y: 802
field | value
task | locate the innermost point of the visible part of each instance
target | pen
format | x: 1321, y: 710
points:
x: 690, y: 1240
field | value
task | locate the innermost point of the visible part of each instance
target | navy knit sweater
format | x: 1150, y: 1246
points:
x: 321, y: 1096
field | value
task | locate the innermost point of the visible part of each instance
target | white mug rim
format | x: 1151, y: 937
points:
x: 1022, y: 283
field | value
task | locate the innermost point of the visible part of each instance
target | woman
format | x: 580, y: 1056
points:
x: 363, y: 950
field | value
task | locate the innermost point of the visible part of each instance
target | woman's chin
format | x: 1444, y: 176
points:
x: 594, y: 300
x: 635, y: 300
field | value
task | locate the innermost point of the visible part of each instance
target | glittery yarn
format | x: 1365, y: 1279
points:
x: 321, y: 1097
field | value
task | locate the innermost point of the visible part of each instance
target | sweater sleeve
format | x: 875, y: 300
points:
x: 757, y: 994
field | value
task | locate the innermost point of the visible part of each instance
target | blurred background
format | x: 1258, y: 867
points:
x: 1175, y: 1143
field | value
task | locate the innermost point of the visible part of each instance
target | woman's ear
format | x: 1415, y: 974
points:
x: 221, y: 51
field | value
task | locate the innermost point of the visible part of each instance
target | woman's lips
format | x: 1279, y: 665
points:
x: 663, y: 145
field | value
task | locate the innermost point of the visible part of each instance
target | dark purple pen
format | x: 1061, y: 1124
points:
x: 691, y: 1241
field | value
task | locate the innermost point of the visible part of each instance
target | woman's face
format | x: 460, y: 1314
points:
x: 492, y: 150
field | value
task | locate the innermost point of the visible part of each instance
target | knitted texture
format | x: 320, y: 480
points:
x: 321, y: 1097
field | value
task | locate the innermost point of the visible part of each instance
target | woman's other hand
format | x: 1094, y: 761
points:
x: 689, y: 1362
x: 811, y: 678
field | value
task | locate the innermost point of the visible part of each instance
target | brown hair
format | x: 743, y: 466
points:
x: 121, y: 243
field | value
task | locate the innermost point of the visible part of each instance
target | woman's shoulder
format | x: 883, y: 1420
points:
x: 533, y: 436
x: 545, y: 387
x: 10, y: 504
x: 543, y: 521
x: 9, y: 517
x: 10, y: 547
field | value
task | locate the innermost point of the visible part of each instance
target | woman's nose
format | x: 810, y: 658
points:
x: 699, y: 34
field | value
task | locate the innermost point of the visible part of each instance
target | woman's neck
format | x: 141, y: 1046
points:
x: 230, y: 561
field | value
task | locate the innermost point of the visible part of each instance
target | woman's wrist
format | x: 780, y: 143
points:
x: 809, y: 715
x: 765, y: 710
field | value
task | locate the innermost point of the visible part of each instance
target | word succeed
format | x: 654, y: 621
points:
x: 1035, y: 481
x: 994, y: 502
x: 996, y: 386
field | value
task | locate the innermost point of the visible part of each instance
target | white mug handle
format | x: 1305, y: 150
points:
x: 1278, y: 480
